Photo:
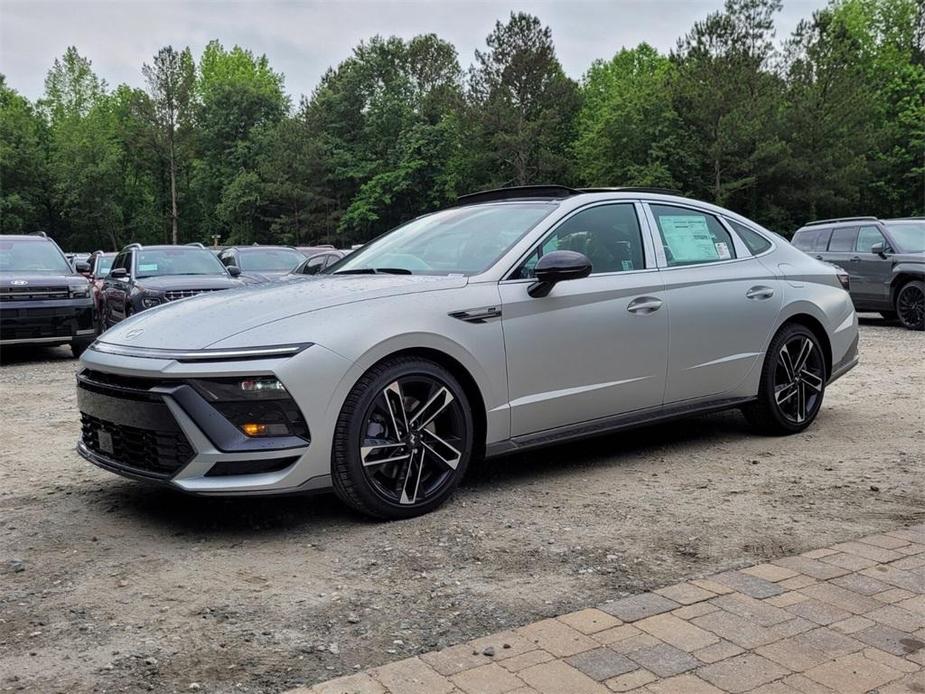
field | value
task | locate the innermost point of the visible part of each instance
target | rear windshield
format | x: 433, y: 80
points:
x: 269, y: 259
x: 909, y: 236
x: 156, y: 262
x: 40, y: 257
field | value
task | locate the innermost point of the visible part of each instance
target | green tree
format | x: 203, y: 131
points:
x: 23, y: 195
x: 626, y: 128
x: 522, y: 108
x: 171, y: 80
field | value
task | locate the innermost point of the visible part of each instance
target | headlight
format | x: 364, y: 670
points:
x: 79, y: 292
x: 150, y: 301
x: 259, y: 406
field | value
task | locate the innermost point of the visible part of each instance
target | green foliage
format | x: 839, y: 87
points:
x: 830, y: 121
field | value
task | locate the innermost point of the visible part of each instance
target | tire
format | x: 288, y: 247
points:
x: 888, y: 315
x: 79, y: 345
x: 423, y: 461
x: 777, y: 410
x: 910, y: 305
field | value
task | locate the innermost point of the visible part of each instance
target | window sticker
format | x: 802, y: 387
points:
x: 689, y: 239
x: 627, y: 265
x: 149, y: 267
x: 723, y: 250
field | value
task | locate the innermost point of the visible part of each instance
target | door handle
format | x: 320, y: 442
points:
x: 760, y: 293
x: 856, y: 259
x: 644, y: 305
x: 818, y: 257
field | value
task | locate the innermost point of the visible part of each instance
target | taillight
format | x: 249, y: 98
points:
x: 843, y: 279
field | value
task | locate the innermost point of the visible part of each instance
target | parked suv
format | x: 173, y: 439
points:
x: 43, y: 298
x: 146, y: 276
x: 262, y: 263
x: 884, y: 258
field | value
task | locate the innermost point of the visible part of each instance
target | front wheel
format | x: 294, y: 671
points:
x: 910, y: 305
x: 403, y: 439
x: 792, y: 383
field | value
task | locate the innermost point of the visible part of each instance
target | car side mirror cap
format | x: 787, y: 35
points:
x: 82, y: 267
x: 234, y: 270
x: 555, y: 267
x: 879, y: 249
x: 120, y: 273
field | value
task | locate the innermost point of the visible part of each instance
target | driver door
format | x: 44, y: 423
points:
x: 594, y: 347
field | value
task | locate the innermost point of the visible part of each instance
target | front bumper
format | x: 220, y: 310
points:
x: 172, y: 415
x: 55, y: 321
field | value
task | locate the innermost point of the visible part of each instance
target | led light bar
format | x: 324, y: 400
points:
x: 199, y: 355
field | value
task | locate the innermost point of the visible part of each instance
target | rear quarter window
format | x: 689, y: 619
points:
x: 755, y: 242
x: 805, y: 240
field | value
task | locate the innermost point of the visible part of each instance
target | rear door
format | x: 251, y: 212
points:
x: 722, y: 303
x: 115, y: 290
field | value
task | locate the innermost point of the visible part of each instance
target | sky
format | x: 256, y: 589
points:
x: 302, y: 38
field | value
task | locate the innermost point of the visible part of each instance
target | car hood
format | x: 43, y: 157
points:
x: 24, y: 280
x: 908, y: 257
x: 207, y: 319
x: 177, y: 282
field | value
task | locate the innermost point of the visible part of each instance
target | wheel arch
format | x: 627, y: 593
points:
x: 466, y: 380
x: 901, y: 276
x: 813, y: 324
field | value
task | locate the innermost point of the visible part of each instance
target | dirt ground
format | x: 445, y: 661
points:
x: 110, y: 586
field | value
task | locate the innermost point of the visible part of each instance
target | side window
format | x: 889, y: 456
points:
x: 314, y: 265
x: 608, y: 234
x: 754, y: 241
x: 867, y: 237
x: 822, y: 241
x: 690, y: 237
x: 843, y: 239
x: 121, y: 261
x: 806, y: 240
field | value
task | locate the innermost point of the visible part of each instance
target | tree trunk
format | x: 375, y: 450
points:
x: 173, y: 191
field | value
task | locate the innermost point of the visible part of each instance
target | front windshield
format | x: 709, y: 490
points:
x: 32, y: 256
x: 459, y: 241
x: 910, y: 236
x: 104, y: 264
x: 269, y: 259
x: 156, y: 262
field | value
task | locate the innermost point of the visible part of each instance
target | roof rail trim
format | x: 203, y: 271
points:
x: 130, y: 246
x: 513, y: 192
x: 196, y: 244
x: 836, y: 220
x: 634, y: 189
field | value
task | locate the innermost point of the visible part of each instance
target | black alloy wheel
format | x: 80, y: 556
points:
x: 792, y: 385
x: 799, y: 378
x: 910, y: 305
x: 403, y: 440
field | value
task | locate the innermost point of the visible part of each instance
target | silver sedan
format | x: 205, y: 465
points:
x: 518, y: 318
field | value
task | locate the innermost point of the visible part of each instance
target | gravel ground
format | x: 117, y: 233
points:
x: 111, y: 586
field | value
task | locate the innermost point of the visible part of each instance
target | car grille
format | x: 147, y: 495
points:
x: 33, y: 293
x: 174, y: 294
x: 159, y: 454
x: 129, y: 426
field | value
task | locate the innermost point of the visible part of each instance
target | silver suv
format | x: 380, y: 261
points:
x: 885, y: 260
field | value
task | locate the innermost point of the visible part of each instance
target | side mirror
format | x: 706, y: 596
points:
x: 879, y: 249
x: 120, y: 273
x: 82, y: 267
x: 558, y: 266
x: 234, y: 270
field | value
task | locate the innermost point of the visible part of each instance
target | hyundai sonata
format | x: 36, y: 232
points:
x: 518, y: 318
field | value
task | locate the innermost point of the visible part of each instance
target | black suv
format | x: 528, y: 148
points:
x: 43, y: 299
x: 145, y: 276
x: 884, y: 259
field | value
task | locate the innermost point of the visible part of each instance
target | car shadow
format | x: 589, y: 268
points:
x: 25, y: 354
x: 183, y: 514
x: 875, y: 319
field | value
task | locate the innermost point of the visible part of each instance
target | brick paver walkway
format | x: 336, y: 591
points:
x: 848, y: 618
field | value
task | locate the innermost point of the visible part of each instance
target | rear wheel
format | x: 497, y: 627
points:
x: 910, y: 305
x: 403, y: 439
x: 792, y: 383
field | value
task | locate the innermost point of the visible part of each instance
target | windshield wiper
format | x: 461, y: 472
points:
x: 375, y: 271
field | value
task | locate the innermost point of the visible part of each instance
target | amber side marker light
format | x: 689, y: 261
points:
x: 255, y: 429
